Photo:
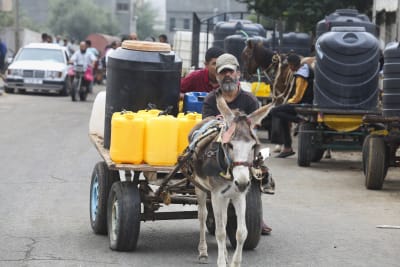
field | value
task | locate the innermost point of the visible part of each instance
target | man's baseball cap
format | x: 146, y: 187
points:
x: 227, y: 61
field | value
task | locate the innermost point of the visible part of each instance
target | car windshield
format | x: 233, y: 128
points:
x: 41, y: 54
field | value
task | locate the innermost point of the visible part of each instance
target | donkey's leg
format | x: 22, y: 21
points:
x: 202, y: 215
x: 241, y: 232
x: 220, y: 207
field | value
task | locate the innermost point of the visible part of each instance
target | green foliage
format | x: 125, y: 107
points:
x: 145, y: 21
x: 79, y: 18
x: 6, y: 19
x: 303, y: 15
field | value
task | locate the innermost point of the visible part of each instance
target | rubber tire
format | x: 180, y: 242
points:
x: 74, y: 89
x: 9, y: 90
x: 304, y: 149
x: 102, y: 180
x: 210, y: 221
x: 64, y: 91
x: 317, y: 154
x: 125, y: 197
x: 253, y: 218
x: 375, y: 161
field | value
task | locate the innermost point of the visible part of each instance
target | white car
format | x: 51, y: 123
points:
x: 39, y: 67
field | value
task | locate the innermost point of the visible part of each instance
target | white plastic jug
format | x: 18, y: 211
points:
x: 97, y: 117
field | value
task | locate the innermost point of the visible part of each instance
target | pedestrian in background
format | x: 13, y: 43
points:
x: 203, y: 80
x: 3, y: 53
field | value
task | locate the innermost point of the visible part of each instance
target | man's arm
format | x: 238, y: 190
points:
x: 301, y: 86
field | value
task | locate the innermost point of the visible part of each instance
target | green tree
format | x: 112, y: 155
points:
x: 6, y: 19
x: 79, y: 18
x: 303, y: 15
x: 145, y: 20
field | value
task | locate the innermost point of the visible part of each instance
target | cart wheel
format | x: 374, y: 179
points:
x: 102, y: 180
x: 123, y: 216
x: 304, y: 144
x: 253, y: 219
x: 317, y: 154
x: 375, y: 162
x: 210, y: 221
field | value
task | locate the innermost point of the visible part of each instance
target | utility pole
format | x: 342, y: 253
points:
x: 16, y: 23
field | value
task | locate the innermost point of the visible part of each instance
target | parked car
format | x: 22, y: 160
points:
x: 39, y: 67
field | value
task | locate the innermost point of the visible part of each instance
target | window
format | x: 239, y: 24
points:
x: 186, y: 24
x: 172, y: 24
x: 122, y: 7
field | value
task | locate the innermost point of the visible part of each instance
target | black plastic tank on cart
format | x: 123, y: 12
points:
x: 225, y: 28
x: 347, y: 69
x: 345, y: 17
x: 298, y: 42
x: 391, y: 80
x: 140, y: 73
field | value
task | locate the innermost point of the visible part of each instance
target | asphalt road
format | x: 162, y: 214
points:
x: 321, y: 215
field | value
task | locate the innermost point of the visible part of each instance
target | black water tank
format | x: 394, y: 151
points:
x: 225, y: 28
x: 347, y: 69
x: 139, y: 73
x: 345, y: 17
x: 391, y: 80
x: 234, y: 44
x: 299, y: 42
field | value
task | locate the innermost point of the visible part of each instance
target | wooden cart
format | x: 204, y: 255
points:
x: 336, y: 129
x: 119, y: 204
x: 379, y: 149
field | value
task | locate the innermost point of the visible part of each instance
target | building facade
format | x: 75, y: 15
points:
x: 386, y: 14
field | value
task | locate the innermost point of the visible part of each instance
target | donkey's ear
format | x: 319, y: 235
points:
x: 257, y: 115
x: 223, y: 108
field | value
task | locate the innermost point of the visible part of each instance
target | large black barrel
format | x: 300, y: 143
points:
x: 345, y: 17
x: 298, y: 42
x: 225, y: 28
x: 391, y: 80
x: 139, y: 73
x: 347, y: 69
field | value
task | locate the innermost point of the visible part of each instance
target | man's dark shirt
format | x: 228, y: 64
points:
x: 244, y: 101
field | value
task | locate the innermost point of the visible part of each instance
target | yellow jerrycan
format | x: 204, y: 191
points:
x: 161, y: 140
x: 127, y: 136
x: 185, y: 125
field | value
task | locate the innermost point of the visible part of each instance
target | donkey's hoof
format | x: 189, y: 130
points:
x: 203, y: 259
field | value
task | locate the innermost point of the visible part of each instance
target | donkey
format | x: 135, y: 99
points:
x: 237, y: 145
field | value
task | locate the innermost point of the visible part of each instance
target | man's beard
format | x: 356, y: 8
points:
x: 228, y: 84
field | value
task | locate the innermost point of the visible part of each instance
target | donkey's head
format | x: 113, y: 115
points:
x: 240, y: 142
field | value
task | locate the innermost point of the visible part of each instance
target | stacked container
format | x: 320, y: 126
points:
x: 245, y: 27
x: 161, y: 140
x: 391, y: 80
x: 185, y: 125
x: 127, y: 135
x: 347, y: 69
x: 193, y: 101
x: 347, y: 18
x: 139, y: 73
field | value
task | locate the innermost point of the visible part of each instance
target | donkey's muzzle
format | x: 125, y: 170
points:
x: 242, y: 186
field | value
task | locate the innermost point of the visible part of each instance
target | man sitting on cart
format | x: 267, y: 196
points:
x: 304, y: 76
x: 227, y: 68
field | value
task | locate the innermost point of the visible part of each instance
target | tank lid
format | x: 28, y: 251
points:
x: 146, y: 46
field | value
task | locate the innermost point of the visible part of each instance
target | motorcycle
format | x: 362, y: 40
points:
x: 81, y: 79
